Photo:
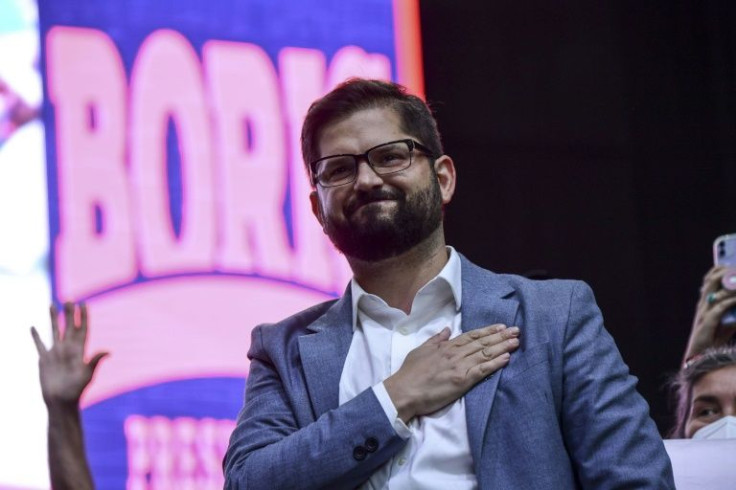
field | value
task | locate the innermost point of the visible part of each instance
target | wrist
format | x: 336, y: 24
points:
x: 402, y: 402
x: 62, y: 405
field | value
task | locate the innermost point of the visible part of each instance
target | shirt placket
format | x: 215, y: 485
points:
x: 403, y: 341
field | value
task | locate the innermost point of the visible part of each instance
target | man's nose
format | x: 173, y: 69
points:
x: 365, y: 176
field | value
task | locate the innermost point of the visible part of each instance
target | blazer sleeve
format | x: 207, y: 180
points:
x: 612, y: 441
x: 269, y: 448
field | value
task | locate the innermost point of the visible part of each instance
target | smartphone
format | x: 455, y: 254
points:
x: 724, y: 253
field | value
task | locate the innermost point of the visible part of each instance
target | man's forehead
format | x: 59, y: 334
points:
x: 360, y: 130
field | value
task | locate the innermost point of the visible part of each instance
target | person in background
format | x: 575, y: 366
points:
x: 705, y: 392
x: 64, y: 375
x: 704, y: 389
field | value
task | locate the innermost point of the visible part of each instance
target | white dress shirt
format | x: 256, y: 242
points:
x: 437, y: 453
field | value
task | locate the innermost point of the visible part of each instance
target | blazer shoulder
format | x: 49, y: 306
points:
x: 545, y: 287
x: 522, y: 286
x: 555, y: 297
x: 289, y: 329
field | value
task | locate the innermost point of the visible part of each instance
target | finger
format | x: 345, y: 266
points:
x: 485, y: 369
x: 478, y: 333
x: 439, y: 337
x: 714, y: 298
x: 712, y: 281
x: 713, y: 271
x: 83, y: 319
x: 710, y: 296
x: 493, y: 351
x: 54, y: 313
x: 718, y: 297
x: 720, y: 308
x: 40, y: 347
x: 488, y: 341
x: 728, y: 281
x: 96, y: 360
x: 711, y: 319
x: 68, y: 316
x: 710, y: 299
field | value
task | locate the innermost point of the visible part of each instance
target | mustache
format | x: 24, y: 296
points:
x: 362, y: 198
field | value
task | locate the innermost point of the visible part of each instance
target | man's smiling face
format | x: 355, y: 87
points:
x: 376, y: 217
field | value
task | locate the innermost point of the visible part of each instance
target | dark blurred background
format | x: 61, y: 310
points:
x: 594, y: 140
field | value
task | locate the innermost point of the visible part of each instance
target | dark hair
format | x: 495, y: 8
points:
x: 358, y: 94
x: 683, y: 382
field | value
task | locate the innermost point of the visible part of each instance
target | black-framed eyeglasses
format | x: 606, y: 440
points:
x: 384, y: 159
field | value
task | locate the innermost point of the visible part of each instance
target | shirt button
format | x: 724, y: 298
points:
x: 402, y: 461
x: 403, y: 331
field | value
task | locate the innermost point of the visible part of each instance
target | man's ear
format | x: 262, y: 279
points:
x: 317, y: 208
x: 444, y: 167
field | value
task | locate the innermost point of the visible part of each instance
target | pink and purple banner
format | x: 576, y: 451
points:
x: 178, y: 201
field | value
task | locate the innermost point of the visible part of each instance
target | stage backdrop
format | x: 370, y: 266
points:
x: 178, y: 201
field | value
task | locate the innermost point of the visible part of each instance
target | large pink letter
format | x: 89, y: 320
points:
x: 86, y: 83
x: 251, y: 150
x: 166, y: 84
x: 304, y: 79
x: 316, y: 261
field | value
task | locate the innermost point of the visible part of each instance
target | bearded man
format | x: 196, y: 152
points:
x: 429, y: 372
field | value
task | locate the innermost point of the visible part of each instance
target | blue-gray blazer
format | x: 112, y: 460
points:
x: 564, y: 413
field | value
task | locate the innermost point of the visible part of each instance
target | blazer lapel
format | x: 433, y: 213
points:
x: 323, y: 354
x: 485, y: 301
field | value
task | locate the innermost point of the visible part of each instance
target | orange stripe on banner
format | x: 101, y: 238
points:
x: 408, y: 38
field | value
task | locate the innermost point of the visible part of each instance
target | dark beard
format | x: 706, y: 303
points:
x: 378, y: 238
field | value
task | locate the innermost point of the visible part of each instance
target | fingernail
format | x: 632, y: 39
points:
x: 513, y: 342
x: 514, y: 330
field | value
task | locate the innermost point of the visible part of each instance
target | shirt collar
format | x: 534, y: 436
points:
x: 450, y: 274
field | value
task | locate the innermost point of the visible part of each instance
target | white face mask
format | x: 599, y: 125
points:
x: 723, y: 428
